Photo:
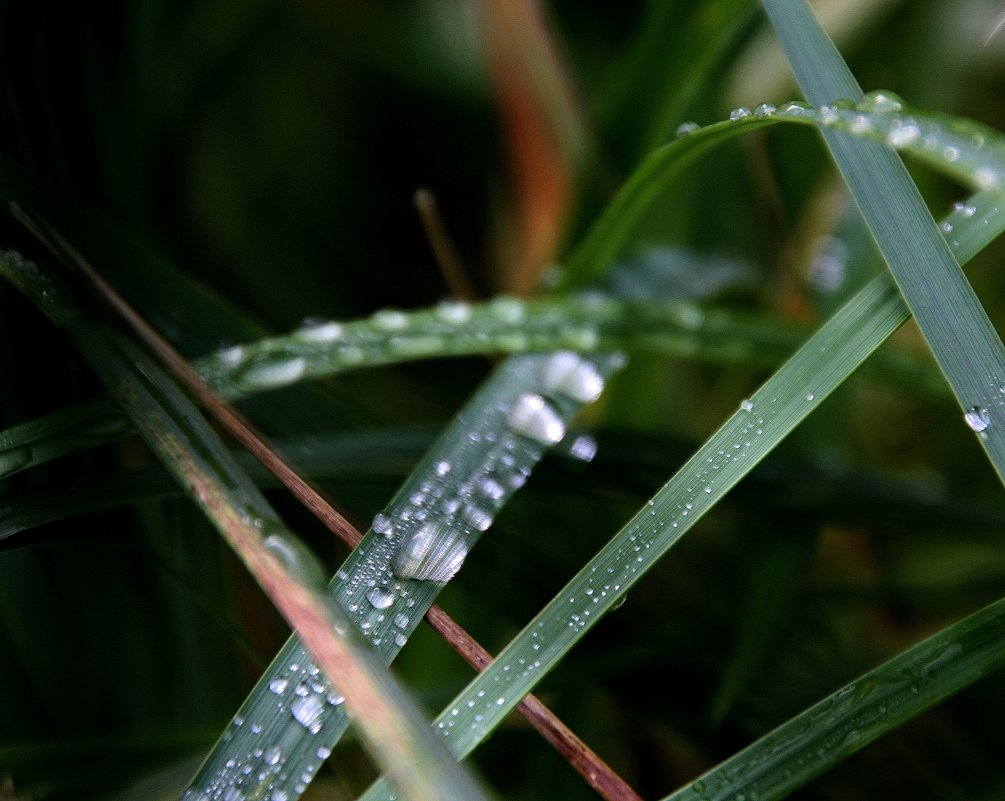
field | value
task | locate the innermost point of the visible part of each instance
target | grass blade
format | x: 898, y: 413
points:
x: 391, y: 725
x: 762, y: 421
x: 858, y: 713
x: 951, y: 318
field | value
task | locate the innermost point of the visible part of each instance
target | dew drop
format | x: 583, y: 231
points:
x: 902, y: 135
x: 881, y: 101
x: 382, y: 524
x: 746, y: 405
x: 963, y: 210
x: 531, y: 416
x: 584, y: 448
x: 739, y: 113
x: 442, y: 468
x: 686, y: 128
x: 272, y: 755
x: 476, y: 517
x: 810, y: 396
x: 764, y: 110
x: 323, y: 752
x: 319, y: 332
x: 509, y: 310
x: 400, y: 640
x: 274, y: 373
x: 573, y: 376
x: 977, y: 418
x: 307, y: 712
x: 433, y: 552
x: 453, y: 312
x: 389, y: 319
x: 278, y: 685
x: 380, y: 599
x: 232, y: 356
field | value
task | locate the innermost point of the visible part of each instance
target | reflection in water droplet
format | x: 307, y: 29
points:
x: 573, y: 376
x: 382, y: 523
x: 307, y: 712
x: 433, y: 552
x: 978, y: 418
x: 379, y: 599
x: 533, y: 417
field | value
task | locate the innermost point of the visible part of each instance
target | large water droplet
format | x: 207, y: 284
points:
x: 307, y: 712
x: 453, y: 312
x: 319, y: 331
x: 382, y: 524
x: 380, y: 599
x: 881, y: 101
x: 274, y: 373
x: 978, y: 418
x: 573, y: 376
x: 433, y: 552
x: 533, y: 417
x: 272, y: 755
x: 739, y: 113
x: 389, y: 319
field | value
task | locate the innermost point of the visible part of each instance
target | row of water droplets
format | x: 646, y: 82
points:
x: 494, y: 693
x: 880, y: 115
x: 422, y: 534
x: 321, y: 347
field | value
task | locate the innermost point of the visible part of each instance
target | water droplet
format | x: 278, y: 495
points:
x: 433, y: 552
x: 278, y: 685
x: 573, y: 376
x: 964, y: 210
x: 509, y: 310
x: 442, y: 468
x: 400, y: 640
x: 416, y: 345
x: 902, y: 134
x: 274, y: 373
x: 881, y: 101
x: 685, y: 128
x: 951, y: 153
x: 739, y: 113
x: 828, y: 115
x: 764, y: 110
x: 746, y: 405
x: 232, y: 356
x: 584, y: 448
x: 380, y: 599
x: 488, y: 487
x: 476, y: 517
x: 796, y: 108
x: 986, y: 178
x: 401, y: 620
x: 272, y: 755
x: 323, y: 752
x: 531, y: 416
x: 978, y: 418
x: 810, y: 396
x: 307, y: 712
x: 319, y: 331
x: 453, y: 312
x: 382, y: 524
x: 389, y: 319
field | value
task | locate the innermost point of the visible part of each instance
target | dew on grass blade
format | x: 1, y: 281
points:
x: 685, y: 128
x: 531, y: 416
x: 268, y: 374
x: 978, y: 418
x: 433, y: 552
x: 569, y: 374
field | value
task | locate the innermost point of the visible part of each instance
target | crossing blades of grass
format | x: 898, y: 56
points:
x: 961, y: 149
x: 390, y: 724
x: 951, y: 318
x: 761, y: 422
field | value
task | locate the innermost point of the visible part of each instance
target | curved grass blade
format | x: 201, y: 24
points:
x: 951, y: 318
x: 743, y: 440
x: 876, y: 703
x: 962, y: 149
x: 392, y: 727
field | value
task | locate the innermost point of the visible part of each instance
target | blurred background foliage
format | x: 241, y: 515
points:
x: 264, y: 156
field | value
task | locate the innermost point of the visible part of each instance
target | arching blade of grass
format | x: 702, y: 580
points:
x: 951, y: 318
x: 961, y: 149
x: 762, y: 421
x: 876, y: 703
x: 391, y: 725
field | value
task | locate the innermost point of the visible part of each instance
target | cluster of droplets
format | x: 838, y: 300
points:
x: 881, y: 115
x: 436, y: 528
x: 321, y: 347
x: 302, y: 693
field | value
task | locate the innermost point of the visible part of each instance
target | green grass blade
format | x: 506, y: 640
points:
x: 951, y: 318
x: 962, y: 149
x: 454, y: 492
x: 391, y: 725
x: 762, y: 421
x: 874, y: 704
